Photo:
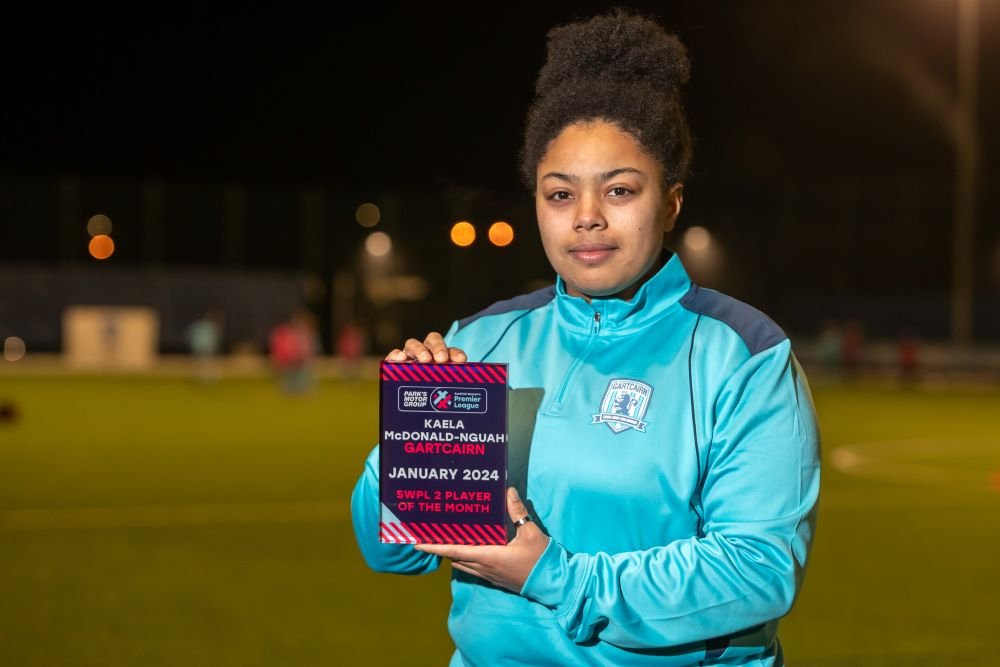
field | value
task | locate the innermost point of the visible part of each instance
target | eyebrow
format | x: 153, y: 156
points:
x: 572, y: 178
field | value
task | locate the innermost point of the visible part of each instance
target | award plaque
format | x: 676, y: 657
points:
x: 443, y: 453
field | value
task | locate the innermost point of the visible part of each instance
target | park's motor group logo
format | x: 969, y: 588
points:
x: 442, y: 399
x: 624, y: 405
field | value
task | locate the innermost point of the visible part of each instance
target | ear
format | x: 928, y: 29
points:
x: 673, y: 199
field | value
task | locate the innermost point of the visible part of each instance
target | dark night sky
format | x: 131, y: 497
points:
x: 808, y: 152
x: 409, y: 95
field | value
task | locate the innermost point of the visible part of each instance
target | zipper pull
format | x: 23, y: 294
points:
x: 597, y: 322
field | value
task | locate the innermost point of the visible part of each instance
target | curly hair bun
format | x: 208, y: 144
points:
x: 620, y: 46
x: 621, y: 68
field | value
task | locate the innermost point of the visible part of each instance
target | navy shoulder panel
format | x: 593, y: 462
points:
x: 528, y: 301
x: 758, y: 331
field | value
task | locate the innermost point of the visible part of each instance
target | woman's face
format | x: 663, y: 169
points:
x: 602, y: 210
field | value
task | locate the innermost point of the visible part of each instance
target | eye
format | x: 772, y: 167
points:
x: 619, y: 191
x: 559, y: 195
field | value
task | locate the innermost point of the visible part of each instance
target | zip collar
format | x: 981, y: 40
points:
x: 652, y: 300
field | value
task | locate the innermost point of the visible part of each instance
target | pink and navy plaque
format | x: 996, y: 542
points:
x: 443, y: 453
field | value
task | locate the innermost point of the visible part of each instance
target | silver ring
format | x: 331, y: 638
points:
x: 520, y: 522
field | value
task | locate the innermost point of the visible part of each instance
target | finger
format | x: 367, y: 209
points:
x: 435, y: 343
x: 396, y: 355
x: 449, y: 551
x: 457, y: 355
x: 416, y: 350
x: 436, y: 549
x: 515, y: 507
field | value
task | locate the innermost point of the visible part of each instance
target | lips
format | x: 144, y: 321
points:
x: 592, y: 253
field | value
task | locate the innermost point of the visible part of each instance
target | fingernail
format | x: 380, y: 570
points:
x: 514, y: 495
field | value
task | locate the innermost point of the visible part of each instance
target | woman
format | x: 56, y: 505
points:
x: 673, y: 469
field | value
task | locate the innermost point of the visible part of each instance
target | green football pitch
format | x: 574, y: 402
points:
x: 150, y: 521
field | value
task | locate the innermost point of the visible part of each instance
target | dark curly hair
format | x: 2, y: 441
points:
x: 619, y: 67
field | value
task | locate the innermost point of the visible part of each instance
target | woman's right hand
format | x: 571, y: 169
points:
x: 433, y: 349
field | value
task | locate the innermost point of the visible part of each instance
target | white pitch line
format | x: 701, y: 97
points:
x: 882, y: 460
x: 150, y: 516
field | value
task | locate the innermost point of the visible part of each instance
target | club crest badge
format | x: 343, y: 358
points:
x: 624, y: 405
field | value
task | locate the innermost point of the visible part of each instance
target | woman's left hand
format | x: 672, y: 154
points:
x: 505, y: 566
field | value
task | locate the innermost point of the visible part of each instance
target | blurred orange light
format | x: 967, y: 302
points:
x: 101, y: 246
x: 368, y: 215
x: 501, y: 234
x: 463, y: 234
x: 378, y: 244
x: 99, y: 224
x: 697, y: 238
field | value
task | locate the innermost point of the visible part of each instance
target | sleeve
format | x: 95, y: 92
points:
x: 758, y: 500
x: 395, y: 558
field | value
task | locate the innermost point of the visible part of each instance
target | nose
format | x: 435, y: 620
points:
x: 589, y: 216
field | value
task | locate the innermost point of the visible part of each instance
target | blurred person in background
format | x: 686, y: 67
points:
x: 204, y: 339
x: 908, y: 353
x: 673, y: 473
x: 350, y: 347
x: 852, y: 347
x: 830, y: 347
x: 293, y: 346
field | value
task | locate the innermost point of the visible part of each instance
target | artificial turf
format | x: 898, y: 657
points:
x: 163, y: 521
